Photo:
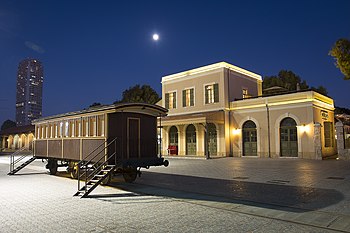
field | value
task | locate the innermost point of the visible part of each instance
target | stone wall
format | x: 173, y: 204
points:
x: 343, y: 153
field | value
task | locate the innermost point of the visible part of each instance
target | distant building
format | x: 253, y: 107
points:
x: 29, y: 91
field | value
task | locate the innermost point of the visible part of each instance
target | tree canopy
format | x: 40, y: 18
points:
x: 95, y: 104
x: 287, y: 81
x: 341, y: 53
x: 8, y: 124
x: 139, y: 94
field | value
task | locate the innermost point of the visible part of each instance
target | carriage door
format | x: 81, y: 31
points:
x: 133, y: 138
x: 212, y: 139
x: 288, y: 137
x: 249, y: 139
x: 191, y: 146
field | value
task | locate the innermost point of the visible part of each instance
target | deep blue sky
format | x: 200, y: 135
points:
x: 93, y: 50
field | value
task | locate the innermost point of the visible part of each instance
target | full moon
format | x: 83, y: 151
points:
x: 155, y: 37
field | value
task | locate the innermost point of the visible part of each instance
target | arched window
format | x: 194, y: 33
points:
x: 212, y: 139
x: 191, y: 145
x: 249, y: 138
x: 288, y: 138
x: 173, y: 136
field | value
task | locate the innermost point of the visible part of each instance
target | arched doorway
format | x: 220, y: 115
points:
x: 22, y: 142
x: 249, y: 139
x: 173, y: 140
x: 288, y: 138
x: 30, y: 141
x: 191, y: 145
x: 173, y: 136
x: 16, y: 141
x: 212, y: 139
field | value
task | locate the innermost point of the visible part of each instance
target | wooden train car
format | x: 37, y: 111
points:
x: 119, y: 138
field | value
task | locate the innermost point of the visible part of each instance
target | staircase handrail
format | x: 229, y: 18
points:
x: 13, y: 162
x: 83, y: 163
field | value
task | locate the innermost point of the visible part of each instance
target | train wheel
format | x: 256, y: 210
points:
x: 73, y: 168
x: 52, y: 166
x: 130, y: 174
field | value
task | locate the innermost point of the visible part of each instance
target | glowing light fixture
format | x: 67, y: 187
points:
x: 304, y: 128
x: 236, y: 131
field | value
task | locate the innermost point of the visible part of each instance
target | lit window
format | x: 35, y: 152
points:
x: 170, y: 100
x: 212, y: 93
x: 245, y: 93
x: 66, y: 131
x: 188, y: 97
x: 61, y: 129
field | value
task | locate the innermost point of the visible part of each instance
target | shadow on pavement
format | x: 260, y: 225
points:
x: 273, y: 196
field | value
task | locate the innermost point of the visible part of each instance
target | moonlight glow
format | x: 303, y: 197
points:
x: 155, y: 37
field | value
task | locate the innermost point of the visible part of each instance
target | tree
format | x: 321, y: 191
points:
x: 95, y: 104
x: 320, y: 89
x: 137, y: 94
x: 286, y: 79
x: 8, y: 124
x: 341, y: 53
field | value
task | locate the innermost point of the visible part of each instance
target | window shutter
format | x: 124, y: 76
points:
x: 184, y: 98
x: 174, y: 100
x: 167, y: 100
x: 216, y: 92
x: 192, y: 97
x: 206, y: 94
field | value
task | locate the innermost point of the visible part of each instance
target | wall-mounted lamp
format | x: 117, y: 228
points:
x: 304, y: 128
x: 236, y: 131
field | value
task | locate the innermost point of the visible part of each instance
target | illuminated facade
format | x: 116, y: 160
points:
x: 218, y: 110
x: 29, y: 91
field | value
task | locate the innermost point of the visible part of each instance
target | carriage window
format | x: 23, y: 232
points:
x: 79, y: 128
x: 100, y: 126
x: 86, y: 127
x: 72, y: 127
x: 38, y: 132
x: 66, y: 129
x: 61, y: 129
x: 47, y: 131
x: 56, y: 130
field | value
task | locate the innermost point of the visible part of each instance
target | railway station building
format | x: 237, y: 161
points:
x: 219, y: 110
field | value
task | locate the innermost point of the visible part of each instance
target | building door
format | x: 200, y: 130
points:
x: 212, y: 139
x: 173, y: 141
x: 249, y: 139
x: 288, y: 137
x: 191, y: 145
x: 133, y: 137
x: 173, y: 136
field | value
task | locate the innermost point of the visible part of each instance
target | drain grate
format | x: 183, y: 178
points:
x: 240, y: 177
x: 278, y: 181
x: 335, y: 178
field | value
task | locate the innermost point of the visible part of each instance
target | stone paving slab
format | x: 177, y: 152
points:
x: 34, y: 201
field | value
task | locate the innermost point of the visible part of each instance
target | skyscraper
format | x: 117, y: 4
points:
x: 29, y: 91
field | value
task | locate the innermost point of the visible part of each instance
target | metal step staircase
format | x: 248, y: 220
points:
x: 14, y: 167
x: 96, y: 169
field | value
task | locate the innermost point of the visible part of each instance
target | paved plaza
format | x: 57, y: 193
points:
x: 191, y: 195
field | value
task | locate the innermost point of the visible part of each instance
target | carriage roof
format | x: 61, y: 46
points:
x: 143, y: 108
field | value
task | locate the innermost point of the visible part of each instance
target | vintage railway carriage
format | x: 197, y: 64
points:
x: 123, y: 136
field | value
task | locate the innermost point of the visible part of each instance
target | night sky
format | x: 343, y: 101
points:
x: 93, y: 50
